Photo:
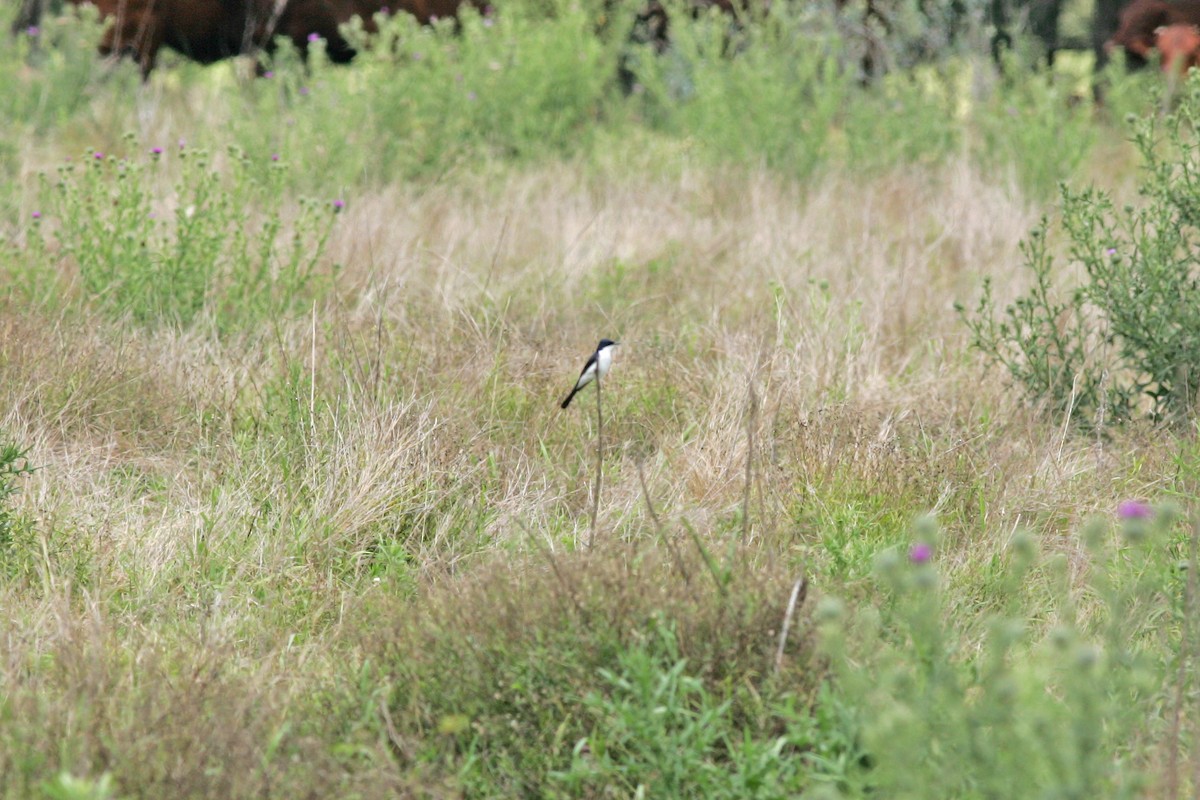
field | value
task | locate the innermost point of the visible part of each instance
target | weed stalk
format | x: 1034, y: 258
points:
x: 599, y: 464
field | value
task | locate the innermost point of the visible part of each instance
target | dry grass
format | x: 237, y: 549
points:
x: 212, y: 517
x: 460, y: 312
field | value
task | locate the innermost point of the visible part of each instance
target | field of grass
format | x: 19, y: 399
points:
x: 288, y: 507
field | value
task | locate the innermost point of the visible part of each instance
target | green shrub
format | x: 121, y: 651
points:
x: 1123, y: 343
x: 1053, y: 703
x: 906, y: 118
x: 14, y: 464
x: 218, y: 242
x: 517, y: 85
x: 51, y: 72
x: 765, y: 92
x: 1037, y: 126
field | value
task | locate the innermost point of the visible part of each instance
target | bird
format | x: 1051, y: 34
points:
x: 597, y: 366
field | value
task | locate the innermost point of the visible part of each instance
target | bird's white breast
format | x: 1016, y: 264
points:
x: 604, y: 360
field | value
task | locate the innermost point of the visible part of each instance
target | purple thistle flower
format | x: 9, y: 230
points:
x: 338, y: 205
x: 182, y: 143
x: 1112, y: 251
x: 304, y: 91
x: 156, y: 151
x: 98, y: 155
x: 37, y: 215
x: 268, y: 74
x: 274, y: 156
x: 920, y: 553
x: 385, y: 11
x: 314, y: 37
x: 33, y: 31
x: 1134, y: 509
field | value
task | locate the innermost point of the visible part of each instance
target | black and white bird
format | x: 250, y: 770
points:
x: 596, y: 367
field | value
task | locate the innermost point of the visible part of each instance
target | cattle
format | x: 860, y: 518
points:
x: 1139, y: 22
x: 211, y: 30
x: 1179, y: 46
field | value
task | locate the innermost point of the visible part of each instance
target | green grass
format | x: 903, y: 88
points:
x: 288, y: 507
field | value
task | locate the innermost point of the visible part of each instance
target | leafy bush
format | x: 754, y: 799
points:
x: 218, y: 242
x: 1123, y: 343
x: 1039, y: 127
x: 766, y: 92
x: 517, y: 85
x: 920, y: 112
x: 1053, y: 703
x: 14, y: 464
x: 50, y: 71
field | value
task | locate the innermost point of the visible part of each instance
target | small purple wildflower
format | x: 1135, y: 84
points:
x: 150, y: 215
x: 385, y: 11
x: 433, y: 18
x: 37, y: 215
x: 33, y: 31
x: 1134, y: 509
x: 156, y: 151
x: 274, y: 156
x: 1112, y: 251
x: 98, y: 155
x: 416, y: 56
x: 920, y: 553
x: 314, y: 37
x: 268, y: 74
x: 182, y: 143
x: 338, y: 205
x: 304, y: 91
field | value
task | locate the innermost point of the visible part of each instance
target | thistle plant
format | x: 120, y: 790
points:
x: 1123, y: 342
x: 1050, y: 695
x: 163, y: 253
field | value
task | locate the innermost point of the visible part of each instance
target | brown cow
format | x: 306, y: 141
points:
x: 1141, y: 19
x: 211, y: 30
x: 1179, y: 46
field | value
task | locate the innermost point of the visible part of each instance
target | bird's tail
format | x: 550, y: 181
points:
x: 570, y: 397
